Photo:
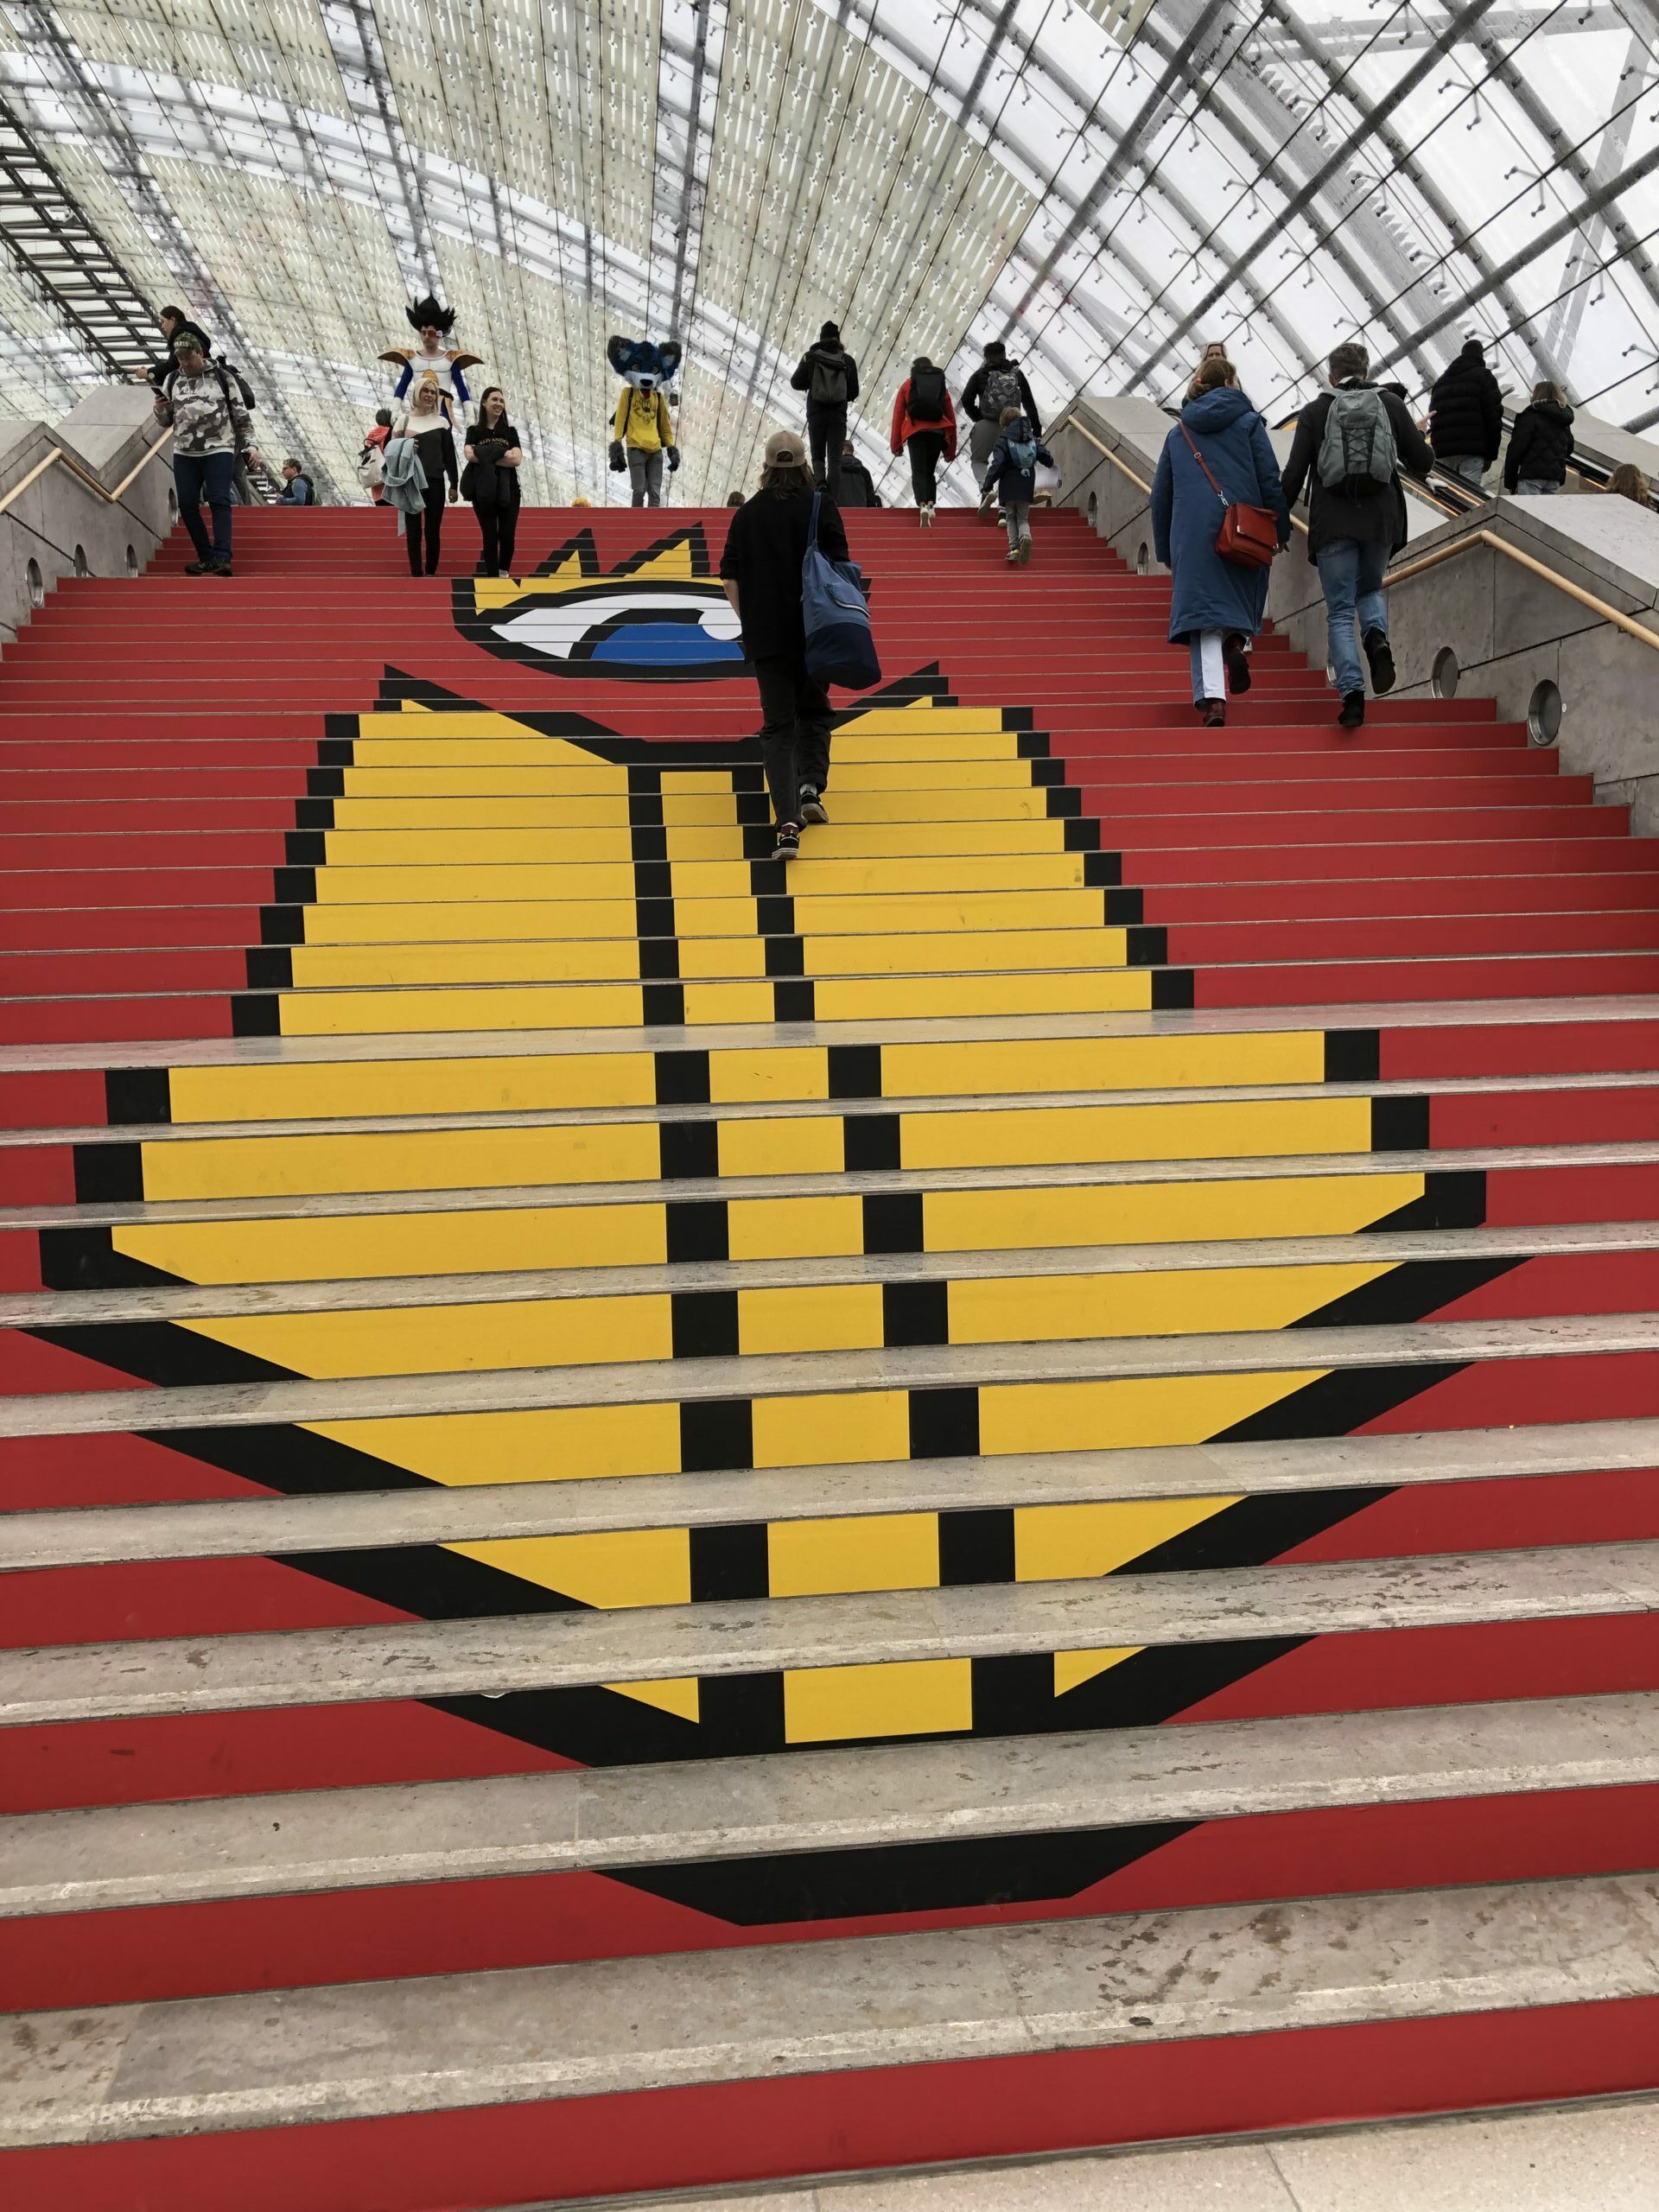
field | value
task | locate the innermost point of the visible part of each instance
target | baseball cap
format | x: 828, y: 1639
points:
x: 784, y: 450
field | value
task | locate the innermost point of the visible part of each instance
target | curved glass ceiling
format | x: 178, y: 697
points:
x: 1108, y: 183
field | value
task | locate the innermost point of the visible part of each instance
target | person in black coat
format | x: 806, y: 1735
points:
x: 760, y: 568
x: 1352, y: 531
x: 828, y: 376
x: 857, y: 484
x: 1541, y: 444
x: 493, y: 453
x: 1465, y: 415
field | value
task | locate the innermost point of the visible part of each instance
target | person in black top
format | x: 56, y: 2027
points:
x: 493, y: 453
x: 426, y: 424
x: 761, y: 571
x: 175, y: 324
x: 828, y: 376
x: 1541, y: 444
x: 857, y: 484
x: 1465, y: 415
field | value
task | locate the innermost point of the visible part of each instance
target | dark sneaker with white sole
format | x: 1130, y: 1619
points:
x: 812, y: 807
x: 789, y: 841
x: 1353, y: 710
x: 1382, y: 660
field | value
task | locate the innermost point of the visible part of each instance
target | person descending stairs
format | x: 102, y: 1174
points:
x: 675, y: 1519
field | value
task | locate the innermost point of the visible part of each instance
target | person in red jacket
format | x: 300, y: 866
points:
x: 925, y: 422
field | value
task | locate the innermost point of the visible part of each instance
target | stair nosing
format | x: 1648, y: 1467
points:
x: 878, y: 1797
x: 50, y: 1686
x: 53, y: 1537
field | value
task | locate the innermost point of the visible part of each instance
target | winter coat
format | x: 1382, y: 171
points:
x: 904, y: 430
x: 1466, y: 409
x: 833, y: 357
x: 1210, y: 594
x: 1541, y: 445
x: 1005, y: 481
x: 1377, y: 518
x: 857, y: 486
x: 972, y: 394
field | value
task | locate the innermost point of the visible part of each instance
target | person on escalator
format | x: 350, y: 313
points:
x: 1465, y: 416
x: 1218, y: 455
x: 1349, y: 450
x: 1541, y: 445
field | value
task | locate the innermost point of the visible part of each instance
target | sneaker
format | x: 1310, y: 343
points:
x: 219, y: 568
x: 789, y: 841
x: 812, y: 807
x: 1353, y: 710
x: 924, y: 514
x: 198, y: 567
x: 1382, y: 660
x: 1213, y: 713
x: 1238, y: 663
x: 1013, y: 556
x: 989, y: 515
x: 1025, y: 550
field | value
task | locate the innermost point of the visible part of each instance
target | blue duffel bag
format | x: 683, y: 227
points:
x: 839, y: 646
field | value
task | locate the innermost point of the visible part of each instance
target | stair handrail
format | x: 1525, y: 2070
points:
x: 79, y: 469
x: 1082, y: 431
x: 1454, y: 546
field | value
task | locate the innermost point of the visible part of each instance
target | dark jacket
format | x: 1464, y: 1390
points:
x: 1541, y: 445
x: 1005, y: 481
x: 486, y: 484
x: 972, y: 394
x: 1466, y: 409
x: 857, y: 484
x: 766, y: 544
x: 1210, y: 594
x: 1378, y: 518
x: 833, y: 357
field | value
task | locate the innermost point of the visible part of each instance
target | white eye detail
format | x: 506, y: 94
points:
x: 644, y: 626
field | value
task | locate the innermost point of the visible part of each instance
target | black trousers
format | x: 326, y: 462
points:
x: 795, y: 733
x: 426, y: 525
x: 499, y: 528
x: 826, y: 434
x: 926, y: 450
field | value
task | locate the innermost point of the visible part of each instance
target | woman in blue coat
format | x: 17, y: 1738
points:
x: 1217, y: 605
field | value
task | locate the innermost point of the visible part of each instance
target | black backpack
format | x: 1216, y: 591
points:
x: 927, y: 396
x: 829, y: 381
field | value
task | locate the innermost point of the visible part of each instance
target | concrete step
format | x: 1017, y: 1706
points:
x: 478, y: 1512
x: 624, y: 2027
x: 878, y: 1798
x: 57, y: 1685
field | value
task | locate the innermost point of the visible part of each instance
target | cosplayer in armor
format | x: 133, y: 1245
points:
x: 432, y: 357
x: 643, y: 432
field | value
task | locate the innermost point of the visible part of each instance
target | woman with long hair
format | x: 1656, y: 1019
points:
x: 760, y: 568
x: 423, y: 427
x: 1217, y: 456
x: 493, y: 453
x: 1541, y: 444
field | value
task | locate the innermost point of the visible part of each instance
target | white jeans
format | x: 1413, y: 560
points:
x: 1209, y: 667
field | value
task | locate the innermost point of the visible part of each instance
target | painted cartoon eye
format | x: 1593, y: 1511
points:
x: 647, y: 627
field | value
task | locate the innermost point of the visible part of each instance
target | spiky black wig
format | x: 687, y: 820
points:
x: 423, y: 312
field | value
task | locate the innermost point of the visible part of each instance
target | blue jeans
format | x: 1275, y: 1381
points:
x: 1469, y: 465
x: 1535, y: 487
x: 199, y: 476
x: 1351, y: 576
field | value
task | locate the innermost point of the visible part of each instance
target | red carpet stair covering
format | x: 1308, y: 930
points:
x: 686, y: 1461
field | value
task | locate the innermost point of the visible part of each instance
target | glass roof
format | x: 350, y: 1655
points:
x: 1106, y: 184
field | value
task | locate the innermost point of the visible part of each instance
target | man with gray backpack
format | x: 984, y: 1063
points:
x: 1350, y: 447
x: 995, y: 385
x: 828, y: 376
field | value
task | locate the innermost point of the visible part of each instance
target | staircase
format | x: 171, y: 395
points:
x: 674, y: 1523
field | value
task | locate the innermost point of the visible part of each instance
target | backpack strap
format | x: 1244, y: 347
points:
x: 812, y: 527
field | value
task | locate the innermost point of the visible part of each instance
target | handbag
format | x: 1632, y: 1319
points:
x: 1249, y: 536
x: 834, y: 608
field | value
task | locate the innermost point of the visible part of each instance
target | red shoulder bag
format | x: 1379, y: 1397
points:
x: 1247, y: 535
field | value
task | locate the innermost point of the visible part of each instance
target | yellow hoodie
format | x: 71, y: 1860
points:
x: 642, y: 419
